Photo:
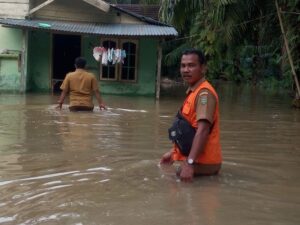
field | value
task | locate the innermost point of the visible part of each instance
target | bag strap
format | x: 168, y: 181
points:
x: 180, y: 116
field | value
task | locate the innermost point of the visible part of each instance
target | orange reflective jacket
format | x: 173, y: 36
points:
x: 212, y: 151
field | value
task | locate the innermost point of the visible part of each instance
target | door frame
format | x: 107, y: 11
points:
x: 54, y: 81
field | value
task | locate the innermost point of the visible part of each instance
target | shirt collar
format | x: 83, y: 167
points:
x: 195, y: 86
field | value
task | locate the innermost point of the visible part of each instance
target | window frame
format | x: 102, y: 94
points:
x: 122, y: 41
x: 119, y: 66
x: 116, y: 66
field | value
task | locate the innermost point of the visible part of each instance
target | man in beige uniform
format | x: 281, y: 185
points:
x: 81, y: 86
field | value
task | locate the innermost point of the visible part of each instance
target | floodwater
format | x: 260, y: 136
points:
x: 61, y: 167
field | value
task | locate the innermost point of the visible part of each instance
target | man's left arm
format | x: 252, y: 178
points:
x: 97, y: 93
x: 65, y: 89
x: 62, y: 98
x: 99, y: 99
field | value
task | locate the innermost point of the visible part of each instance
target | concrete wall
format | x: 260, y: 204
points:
x: 17, y: 9
x: 10, y: 59
x: 39, y: 61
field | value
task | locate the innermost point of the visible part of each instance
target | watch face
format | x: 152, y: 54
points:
x: 190, y: 161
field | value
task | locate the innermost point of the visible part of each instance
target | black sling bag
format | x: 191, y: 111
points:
x: 182, y: 134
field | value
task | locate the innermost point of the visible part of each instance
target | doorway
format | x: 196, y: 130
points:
x: 65, y: 49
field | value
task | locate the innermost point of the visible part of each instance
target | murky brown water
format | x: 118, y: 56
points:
x: 102, y: 167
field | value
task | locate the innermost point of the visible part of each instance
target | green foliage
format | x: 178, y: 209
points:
x: 172, y: 55
x: 242, y: 39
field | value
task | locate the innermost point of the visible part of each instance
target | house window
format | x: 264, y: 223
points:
x: 109, y: 71
x: 126, y: 71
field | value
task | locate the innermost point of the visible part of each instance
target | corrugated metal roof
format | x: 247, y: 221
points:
x: 92, y: 28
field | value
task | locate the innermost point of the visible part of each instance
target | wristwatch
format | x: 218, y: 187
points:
x: 190, y: 161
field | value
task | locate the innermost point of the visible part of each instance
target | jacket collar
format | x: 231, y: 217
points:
x: 195, y: 86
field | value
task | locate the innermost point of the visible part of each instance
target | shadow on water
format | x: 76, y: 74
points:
x: 59, y: 167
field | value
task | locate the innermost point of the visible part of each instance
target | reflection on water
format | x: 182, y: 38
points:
x: 61, y: 167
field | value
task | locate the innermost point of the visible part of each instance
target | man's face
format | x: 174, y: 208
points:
x: 190, y: 68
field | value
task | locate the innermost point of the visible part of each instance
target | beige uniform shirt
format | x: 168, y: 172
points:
x: 80, y: 85
x: 205, y: 103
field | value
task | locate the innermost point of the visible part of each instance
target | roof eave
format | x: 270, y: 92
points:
x: 109, y: 30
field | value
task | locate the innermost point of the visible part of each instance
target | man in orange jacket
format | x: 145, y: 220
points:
x: 201, y: 110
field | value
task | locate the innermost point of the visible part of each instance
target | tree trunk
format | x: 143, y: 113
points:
x: 297, y: 97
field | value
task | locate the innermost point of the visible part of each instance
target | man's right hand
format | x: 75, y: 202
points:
x: 59, y: 105
x: 102, y: 106
x: 167, y: 158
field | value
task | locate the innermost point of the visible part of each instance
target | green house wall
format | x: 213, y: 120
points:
x: 146, y: 78
x: 88, y: 43
x: 39, y: 63
x: 10, y: 61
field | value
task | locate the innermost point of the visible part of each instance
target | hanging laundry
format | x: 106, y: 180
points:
x: 104, y: 58
x: 111, y: 55
x: 123, y: 55
x: 116, y: 56
x: 97, y: 52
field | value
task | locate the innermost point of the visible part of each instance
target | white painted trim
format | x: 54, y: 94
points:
x: 99, y: 4
x: 40, y: 6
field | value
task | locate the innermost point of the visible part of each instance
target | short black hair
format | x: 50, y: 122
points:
x: 80, y: 62
x: 197, y: 52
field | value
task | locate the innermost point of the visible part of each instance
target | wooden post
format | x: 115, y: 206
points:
x: 24, y: 61
x: 158, y: 73
x: 288, y: 50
